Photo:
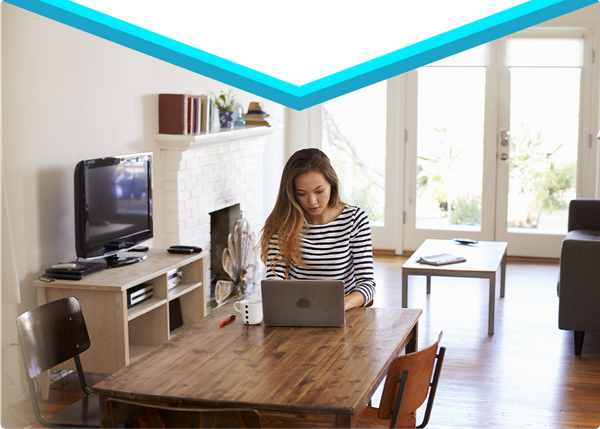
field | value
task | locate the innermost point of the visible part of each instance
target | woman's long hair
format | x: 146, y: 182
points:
x: 287, y: 218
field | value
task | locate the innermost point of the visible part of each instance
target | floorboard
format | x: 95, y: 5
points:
x: 523, y: 376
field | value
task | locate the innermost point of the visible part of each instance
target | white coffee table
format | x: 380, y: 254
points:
x: 484, y: 259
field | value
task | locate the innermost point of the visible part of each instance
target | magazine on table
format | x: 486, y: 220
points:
x: 441, y: 259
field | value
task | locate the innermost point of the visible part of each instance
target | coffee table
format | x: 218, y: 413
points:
x: 484, y: 259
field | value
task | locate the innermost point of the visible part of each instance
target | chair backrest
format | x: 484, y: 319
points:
x: 126, y: 414
x: 420, y: 366
x: 51, y: 334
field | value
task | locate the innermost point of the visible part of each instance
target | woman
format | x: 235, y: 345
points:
x: 312, y: 234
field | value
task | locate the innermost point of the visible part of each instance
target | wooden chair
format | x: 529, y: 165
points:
x: 49, y: 335
x: 406, y: 386
x: 125, y: 414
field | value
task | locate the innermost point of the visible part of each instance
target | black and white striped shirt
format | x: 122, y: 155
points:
x: 339, y: 250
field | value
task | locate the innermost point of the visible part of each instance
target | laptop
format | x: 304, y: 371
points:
x: 303, y: 302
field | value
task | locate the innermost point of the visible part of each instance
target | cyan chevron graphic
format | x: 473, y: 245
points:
x: 300, y: 97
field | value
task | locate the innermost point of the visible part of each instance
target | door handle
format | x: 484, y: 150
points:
x: 503, y: 156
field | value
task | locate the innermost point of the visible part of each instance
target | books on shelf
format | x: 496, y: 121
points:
x: 441, y: 259
x: 172, y: 114
x: 200, y: 114
x: 184, y: 114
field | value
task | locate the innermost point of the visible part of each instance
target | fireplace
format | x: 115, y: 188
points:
x: 198, y: 181
x: 221, y: 225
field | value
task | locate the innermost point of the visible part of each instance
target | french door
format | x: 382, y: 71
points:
x: 494, y: 137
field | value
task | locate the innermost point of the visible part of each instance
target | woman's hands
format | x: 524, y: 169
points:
x: 354, y: 299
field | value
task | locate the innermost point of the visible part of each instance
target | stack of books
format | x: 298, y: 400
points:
x: 184, y: 114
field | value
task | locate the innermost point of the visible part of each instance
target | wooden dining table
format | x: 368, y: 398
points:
x: 293, y: 376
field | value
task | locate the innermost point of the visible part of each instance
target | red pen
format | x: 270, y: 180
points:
x: 229, y: 319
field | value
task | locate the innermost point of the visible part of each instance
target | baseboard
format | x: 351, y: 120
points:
x: 531, y: 260
x: 381, y: 252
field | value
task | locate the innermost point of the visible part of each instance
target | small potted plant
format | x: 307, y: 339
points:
x: 224, y: 104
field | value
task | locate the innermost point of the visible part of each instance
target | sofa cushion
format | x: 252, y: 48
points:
x: 583, y: 234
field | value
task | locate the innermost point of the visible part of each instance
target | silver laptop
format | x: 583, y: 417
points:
x: 303, y: 302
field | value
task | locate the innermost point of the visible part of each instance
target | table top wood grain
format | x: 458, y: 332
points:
x: 306, y: 371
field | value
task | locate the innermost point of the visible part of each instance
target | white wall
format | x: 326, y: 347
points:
x: 68, y: 96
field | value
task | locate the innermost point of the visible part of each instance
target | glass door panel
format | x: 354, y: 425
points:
x: 545, y: 82
x: 450, y: 129
x: 544, y: 125
x: 353, y: 135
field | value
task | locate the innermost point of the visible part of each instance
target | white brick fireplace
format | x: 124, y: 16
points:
x: 200, y: 174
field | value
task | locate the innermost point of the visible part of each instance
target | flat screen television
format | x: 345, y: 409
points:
x: 113, y: 207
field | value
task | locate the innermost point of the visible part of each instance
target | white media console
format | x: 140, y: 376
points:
x: 119, y: 335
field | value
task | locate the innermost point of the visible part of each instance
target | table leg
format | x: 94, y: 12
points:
x: 413, y: 344
x: 428, y: 285
x: 404, y: 289
x: 502, y: 275
x: 492, y: 304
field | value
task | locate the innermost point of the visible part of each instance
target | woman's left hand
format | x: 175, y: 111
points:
x: 354, y: 299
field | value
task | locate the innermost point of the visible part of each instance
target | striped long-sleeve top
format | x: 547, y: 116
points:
x: 339, y: 250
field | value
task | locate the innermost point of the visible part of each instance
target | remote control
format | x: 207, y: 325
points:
x: 195, y: 249
x: 465, y: 241
x: 180, y: 250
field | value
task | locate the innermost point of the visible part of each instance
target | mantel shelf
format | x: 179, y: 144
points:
x: 196, y: 141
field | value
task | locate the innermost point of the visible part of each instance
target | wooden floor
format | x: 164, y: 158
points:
x: 523, y: 376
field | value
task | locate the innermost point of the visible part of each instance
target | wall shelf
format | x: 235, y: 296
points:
x: 217, y: 137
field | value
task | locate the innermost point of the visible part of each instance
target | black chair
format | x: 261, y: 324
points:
x: 126, y: 414
x: 49, y: 335
x: 406, y: 387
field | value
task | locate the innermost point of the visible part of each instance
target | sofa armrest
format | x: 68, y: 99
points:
x: 584, y: 214
x: 579, y: 287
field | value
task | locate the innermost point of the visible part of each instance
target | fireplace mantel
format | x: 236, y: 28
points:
x: 197, y: 141
x: 199, y: 174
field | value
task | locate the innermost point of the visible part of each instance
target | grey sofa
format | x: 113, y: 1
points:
x: 579, y: 278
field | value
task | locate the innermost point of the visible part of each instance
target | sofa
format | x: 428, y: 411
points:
x: 579, y: 277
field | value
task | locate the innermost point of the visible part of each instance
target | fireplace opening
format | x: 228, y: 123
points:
x: 221, y: 224
x: 241, y: 274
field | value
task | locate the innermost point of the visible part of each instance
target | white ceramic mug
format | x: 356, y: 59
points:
x: 251, y: 310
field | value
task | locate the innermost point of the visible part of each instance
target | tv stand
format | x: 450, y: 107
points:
x: 119, y: 335
x: 124, y: 258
